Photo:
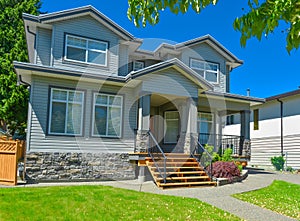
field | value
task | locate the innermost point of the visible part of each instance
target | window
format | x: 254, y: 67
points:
x: 137, y: 65
x: 205, y: 127
x: 208, y: 70
x: 66, y: 112
x: 172, y: 126
x: 86, y: 50
x: 256, y: 119
x: 107, y: 116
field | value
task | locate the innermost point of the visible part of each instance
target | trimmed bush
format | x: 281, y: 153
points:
x: 225, y: 170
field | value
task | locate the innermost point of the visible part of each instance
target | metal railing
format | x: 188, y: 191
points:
x: 156, y: 153
x: 222, y: 142
x: 203, y: 157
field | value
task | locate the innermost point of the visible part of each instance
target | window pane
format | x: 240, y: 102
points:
x: 76, y: 54
x: 197, y: 64
x: 74, y: 119
x: 211, y: 76
x: 100, y: 120
x: 101, y: 99
x: 97, y: 45
x: 205, y: 117
x: 59, y: 95
x: 116, y: 101
x: 172, y: 131
x: 76, y: 41
x: 212, y: 67
x: 58, y: 117
x: 96, y: 57
x: 114, y: 122
x: 75, y: 96
x: 137, y: 65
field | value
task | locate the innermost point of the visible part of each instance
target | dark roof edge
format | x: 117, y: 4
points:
x: 83, y: 9
x: 235, y: 96
x: 48, y: 69
x: 283, y: 95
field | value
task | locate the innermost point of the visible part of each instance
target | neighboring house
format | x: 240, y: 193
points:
x: 274, y: 130
x: 94, y: 94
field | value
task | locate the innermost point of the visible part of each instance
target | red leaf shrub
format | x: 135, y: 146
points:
x: 222, y: 169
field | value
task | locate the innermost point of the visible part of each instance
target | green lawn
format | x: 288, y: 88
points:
x: 280, y: 196
x: 101, y: 203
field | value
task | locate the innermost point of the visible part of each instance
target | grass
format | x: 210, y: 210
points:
x: 280, y: 196
x: 101, y: 203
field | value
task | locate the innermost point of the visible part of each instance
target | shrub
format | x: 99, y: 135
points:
x: 227, y: 156
x: 225, y: 170
x: 278, y: 162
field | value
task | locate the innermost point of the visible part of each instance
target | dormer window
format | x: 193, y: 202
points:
x: 208, y: 70
x: 86, y: 50
x: 137, y: 65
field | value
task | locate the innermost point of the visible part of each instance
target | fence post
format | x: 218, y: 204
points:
x: 286, y: 160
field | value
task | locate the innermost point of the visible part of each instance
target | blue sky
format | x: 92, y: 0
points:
x: 267, y: 70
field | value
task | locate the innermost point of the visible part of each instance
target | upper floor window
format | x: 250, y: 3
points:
x: 66, y: 112
x: 86, y: 50
x: 137, y: 65
x: 208, y: 70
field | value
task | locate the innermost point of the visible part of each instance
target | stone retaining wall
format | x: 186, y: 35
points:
x: 78, y: 166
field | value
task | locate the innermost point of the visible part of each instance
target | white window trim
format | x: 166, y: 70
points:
x: 107, y: 105
x: 205, y: 70
x: 138, y: 62
x: 165, y: 130
x: 66, y: 102
x: 86, y: 50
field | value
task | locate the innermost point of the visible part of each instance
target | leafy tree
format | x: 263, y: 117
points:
x: 261, y: 19
x: 13, y: 98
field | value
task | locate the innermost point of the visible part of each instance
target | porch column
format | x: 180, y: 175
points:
x: 191, y: 135
x: 143, y: 124
x: 245, y: 129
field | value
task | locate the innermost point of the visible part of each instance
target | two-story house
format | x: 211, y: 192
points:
x: 94, y: 95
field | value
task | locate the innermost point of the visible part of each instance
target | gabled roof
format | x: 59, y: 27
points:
x: 204, y: 39
x: 76, y: 12
x: 179, y: 66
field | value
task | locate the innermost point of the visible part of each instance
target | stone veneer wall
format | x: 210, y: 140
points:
x: 41, y: 166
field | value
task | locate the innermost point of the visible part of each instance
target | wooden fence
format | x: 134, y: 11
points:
x: 11, y: 152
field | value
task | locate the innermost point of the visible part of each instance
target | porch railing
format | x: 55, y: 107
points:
x: 203, y: 157
x: 222, y: 142
x: 156, y: 153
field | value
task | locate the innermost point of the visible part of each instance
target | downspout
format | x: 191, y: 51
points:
x: 281, y: 125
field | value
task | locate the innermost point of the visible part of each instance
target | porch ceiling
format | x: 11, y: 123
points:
x: 158, y: 100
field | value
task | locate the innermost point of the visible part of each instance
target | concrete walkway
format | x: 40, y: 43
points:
x: 217, y: 196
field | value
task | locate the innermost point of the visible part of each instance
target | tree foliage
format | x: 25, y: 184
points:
x: 13, y: 98
x: 260, y: 20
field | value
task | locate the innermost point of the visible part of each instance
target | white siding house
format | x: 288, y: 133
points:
x: 276, y: 130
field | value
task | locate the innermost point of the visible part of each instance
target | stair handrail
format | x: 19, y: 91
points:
x: 164, y: 173
x: 200, y: 149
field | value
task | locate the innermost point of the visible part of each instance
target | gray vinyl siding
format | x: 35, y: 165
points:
x: 169, y: 82
x: 123, y: 60
x: 43, y: 45
x: 86, y: 27
x: 40, y: 141
x: 207, y: 53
